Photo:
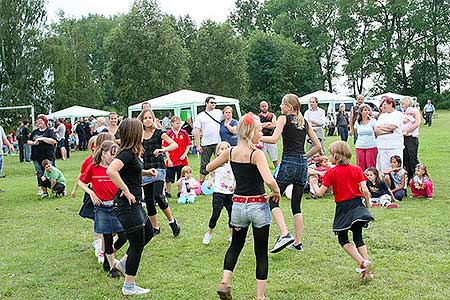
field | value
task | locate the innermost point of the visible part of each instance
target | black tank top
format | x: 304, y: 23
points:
x: 249, y: 181
x: 293, y: 137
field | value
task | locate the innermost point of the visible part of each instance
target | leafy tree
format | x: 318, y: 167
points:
x: 23, y: 68
x: 218, y: 61
x: 246, y: 16
x: 147, y: 56
x: 276, y: 66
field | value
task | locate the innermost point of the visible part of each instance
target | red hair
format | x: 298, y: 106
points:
x: 388, y: 100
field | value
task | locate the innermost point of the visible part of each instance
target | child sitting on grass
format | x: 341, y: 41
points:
x: 380, y: 195
x: 421, y: 184
x: 187, y: 186
x: 54, y: 179
x: 316, y: 174
x: 395, y: 178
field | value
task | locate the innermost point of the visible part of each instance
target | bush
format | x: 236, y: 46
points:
x: 440, y: 101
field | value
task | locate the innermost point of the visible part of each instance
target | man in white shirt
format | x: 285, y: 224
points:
x: 316, y: 118
x: 207, y: 125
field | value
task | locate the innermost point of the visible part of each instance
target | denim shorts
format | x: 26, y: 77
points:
x: 244, y: 214
x: 105, y: 220
x: 293, y: 170
x: 150, y: 179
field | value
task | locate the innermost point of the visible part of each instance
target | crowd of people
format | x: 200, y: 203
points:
x: 134, y: 164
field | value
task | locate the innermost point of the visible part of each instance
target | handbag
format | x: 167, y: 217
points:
x: 87, y: 208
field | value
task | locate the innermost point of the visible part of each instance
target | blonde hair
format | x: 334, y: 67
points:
x: 292, y: 100
x: 340, y: 152
x: 407, y: 100
x: 221, y: 144
x: 186, y: 169
x: 106, y: 146
x: 100, y: 121
x: 141, y: 118
x: 91, y: 144
x: 227, y: 108
x: 104, y: 136
x: 246, y: 128
x: 175, y: 119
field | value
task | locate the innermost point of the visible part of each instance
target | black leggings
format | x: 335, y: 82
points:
x: 357, y: 235
x: 296, y: 200
x: 108, y: 238
x: 261, y: 239
x: 137, y: 239
x: 154, y: 193
x: 220, y: 201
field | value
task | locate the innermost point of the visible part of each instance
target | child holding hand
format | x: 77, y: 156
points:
x: 187, y: 186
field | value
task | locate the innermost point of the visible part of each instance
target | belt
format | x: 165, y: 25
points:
x: 249, y: 199
x: 108, y: 203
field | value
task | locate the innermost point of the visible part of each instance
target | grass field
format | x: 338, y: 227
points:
x: 46, y: 248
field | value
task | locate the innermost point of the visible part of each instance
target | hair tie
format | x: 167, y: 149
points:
x: 249, y: 118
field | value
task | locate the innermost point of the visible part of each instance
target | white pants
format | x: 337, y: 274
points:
x: 272, y: 149
x: 384, y: 158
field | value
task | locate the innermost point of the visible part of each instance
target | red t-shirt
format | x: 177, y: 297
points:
x: 345, y: 182
x: 102, y: 185
x: 183, y: 141
x: 86, y: 163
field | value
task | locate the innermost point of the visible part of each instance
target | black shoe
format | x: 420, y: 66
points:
x: 114, y: 273
x: 168, y: 195
x: 106, y: 266
x: 175, y: 228
x: 156, y: 231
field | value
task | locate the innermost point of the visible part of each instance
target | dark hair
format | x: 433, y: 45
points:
x: 209, y: 98
x: 45, y: 162
x: 363, y: 106
x: 106, y: 146
x: 315, y: 99
x: 130, y: 133
x: 376, y: 173
x: 397, y: 158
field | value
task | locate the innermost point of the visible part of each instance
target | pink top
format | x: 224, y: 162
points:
x: 409, y: 121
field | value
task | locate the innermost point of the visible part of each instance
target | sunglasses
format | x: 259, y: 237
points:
x: 212, y: 102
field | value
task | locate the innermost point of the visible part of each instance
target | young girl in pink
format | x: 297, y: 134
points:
x: 349, y: 189
x: 421, y: 184
x: 315, y: 179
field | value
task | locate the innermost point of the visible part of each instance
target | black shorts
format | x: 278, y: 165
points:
x: 172, y: 171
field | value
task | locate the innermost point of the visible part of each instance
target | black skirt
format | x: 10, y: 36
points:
x: 349, y: 212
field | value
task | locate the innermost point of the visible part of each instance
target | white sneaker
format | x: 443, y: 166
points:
x: 134, y: 291
x: 207, y: 238
x: 230, y: 238
x: 120, y: 266
x: 101, y: 257
x: 282, y: 242
x: 97, y: 244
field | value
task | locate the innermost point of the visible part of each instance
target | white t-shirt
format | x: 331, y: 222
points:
x: 223, y: 179
x: 391, y: 140
x: 317, y: 115
x: 2, y: 137
x: 184, y: 190
x: 60, y: 132
x: 366, y: 135
x: 210, y: 128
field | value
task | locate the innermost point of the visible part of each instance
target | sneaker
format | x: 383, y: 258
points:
x: 376, y: 204
x: 207, y: 238
x: 101, y: 257
x: 156, y: 231
x: 168, y: 195
x: 55, y: 194
x: 230, y: 238
x: 98, y: 248
x: 2, y: 191
x: 119, y: 265
x: 392, y: 205
x: 224, y: 291
x: 44, y: 195
x: 365, y: 271
x: 282, y: 242
x: 135, y: 290
x: 106, y: 266
x: 64, y: 194
x: 298, y: 247
x: 175, y: 227
x: 113, y: 273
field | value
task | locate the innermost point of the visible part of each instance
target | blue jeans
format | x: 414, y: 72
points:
x: 343, y: 133
x: 40, y: 170
x: 293, y: 170
x: 1, y: 164
x: 244, y: 214
x: 27, y: 152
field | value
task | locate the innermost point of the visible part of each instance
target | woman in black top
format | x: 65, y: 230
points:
x: 126, y: 173
x: 293, y: 168
x: 342, y: 122
x: 250, y: 205
x: 42, y: 141
x: 154, y: 158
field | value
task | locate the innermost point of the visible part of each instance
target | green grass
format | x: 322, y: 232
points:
x: 46, y: 252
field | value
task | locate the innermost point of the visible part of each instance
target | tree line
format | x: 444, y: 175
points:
x: 264, y: 49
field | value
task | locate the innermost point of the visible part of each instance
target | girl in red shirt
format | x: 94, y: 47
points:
x: 349, y: 186
x: 102, y: 193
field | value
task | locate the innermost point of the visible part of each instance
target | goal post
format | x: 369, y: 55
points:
x: 31, y: 107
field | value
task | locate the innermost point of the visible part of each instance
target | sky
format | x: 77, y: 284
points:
x: 199, y: 10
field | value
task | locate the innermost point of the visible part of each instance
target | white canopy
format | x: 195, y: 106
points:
x: 184, y: 99
x: 325, y: 97
x: 77, y: 112
x: 391, y: 95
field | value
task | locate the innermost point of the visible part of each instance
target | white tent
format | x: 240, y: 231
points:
x: 391, y: 95
x: 184, y: 100
x: 77, y: 112
x: 325, y: 97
